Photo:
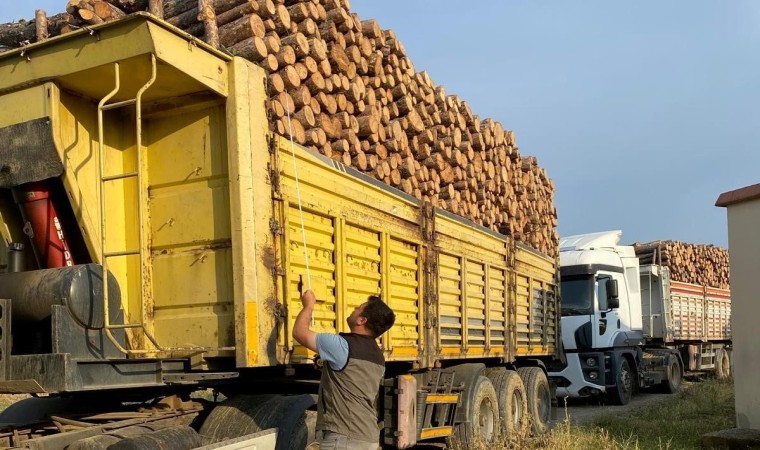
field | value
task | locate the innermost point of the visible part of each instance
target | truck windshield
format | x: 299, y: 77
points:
x: 577, y: 295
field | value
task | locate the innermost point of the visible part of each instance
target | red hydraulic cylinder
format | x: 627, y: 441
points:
x: 42, y: 225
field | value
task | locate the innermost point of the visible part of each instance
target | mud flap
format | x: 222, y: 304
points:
x: 29, y: 153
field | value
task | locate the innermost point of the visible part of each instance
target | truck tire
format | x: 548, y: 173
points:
x: 513, y: 408
x: 248, y: 414
x: 483, y: 424
x: 167, y: 438
x: 673, y: 374
x: 621, y: 393
x: 722, y: 364
x: 539, y: 398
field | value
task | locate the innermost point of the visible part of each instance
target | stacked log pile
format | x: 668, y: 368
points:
x: 346, y: 88
x: 706, y: 265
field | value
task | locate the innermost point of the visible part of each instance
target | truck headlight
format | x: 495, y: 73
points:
x: 591, y: 361
x: 593, y: 375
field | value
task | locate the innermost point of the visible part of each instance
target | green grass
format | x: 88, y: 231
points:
x: 677, y: 422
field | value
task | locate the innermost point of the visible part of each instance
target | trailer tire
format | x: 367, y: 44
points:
x: 513, y: 407
x: 722, y: 364
x: 624, y: 383
x: 247, y: 414
x: 673, y: 374
x: 482, y: 426
x: 539, y: 398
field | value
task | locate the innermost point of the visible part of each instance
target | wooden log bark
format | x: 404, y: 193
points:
x: 242, y: 29
x: 207, y: 15
x: 156, y: 8
x: 41, y: 25
x: 107, y: 11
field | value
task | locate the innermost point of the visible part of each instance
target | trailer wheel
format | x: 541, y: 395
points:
x: 673, y: 373
x: 539, y: 398
x: 624, y: 378
x: 483, y: 425
x: 513, y: 408
x: 722, y: 364
x: 247, y: 414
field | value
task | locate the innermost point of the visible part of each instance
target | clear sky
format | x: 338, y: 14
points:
x: 642, y: 112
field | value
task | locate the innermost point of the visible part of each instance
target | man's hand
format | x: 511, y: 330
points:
x: 308, y: 299
x: 301, y: 331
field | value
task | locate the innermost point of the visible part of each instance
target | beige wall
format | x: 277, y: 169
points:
x: 744, y: 247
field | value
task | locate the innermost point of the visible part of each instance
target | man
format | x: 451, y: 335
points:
x: 352, y: 373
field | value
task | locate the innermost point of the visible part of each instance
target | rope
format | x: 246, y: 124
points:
x: 300, y: 209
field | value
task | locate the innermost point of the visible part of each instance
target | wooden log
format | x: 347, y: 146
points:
x: 368, y: 125
x: 275, y: 84
x: 305, y: 116
x: 253, y: 49
x: 41, y: 25
x: 207, y: 16
x: 299, y: 12
x: 239, y: 11
x: 290, y: 77
x: 89, y: 17
x: 281, y: 20
x: 107, y: 11
x: 130, y: 6
x: 272, y: 41
x: 286, y: 56
x: 302, y: 98
x: 242, y: 29
x: 17, y: 33
x: 156, y: 8
x: 308, y: 27
x: 299, y: 43
x: 269, y: 64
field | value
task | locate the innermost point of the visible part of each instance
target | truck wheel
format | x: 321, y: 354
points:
x: 483, y: 424
x: 722, y: 364
x: 513, y: 408
x: 624, y: 378
x: 673, y: 374
x: 247, y: 414
x: 539, y: 398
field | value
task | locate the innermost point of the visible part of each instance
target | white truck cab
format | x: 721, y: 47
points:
x: 601, y: 318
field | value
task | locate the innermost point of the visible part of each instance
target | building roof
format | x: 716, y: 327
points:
x: 739, y: 195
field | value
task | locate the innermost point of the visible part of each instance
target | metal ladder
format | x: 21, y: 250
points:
x: 103, y: 106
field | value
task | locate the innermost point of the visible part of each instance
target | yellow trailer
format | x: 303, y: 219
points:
x: 153, y: 151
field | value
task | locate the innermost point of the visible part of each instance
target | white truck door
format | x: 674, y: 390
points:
x: 605, y: 322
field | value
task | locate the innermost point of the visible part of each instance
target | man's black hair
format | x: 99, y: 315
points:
x: 380, y: 317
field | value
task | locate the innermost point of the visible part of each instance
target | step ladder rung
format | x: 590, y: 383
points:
x: 120, y: 176
x: 431, y: 399
x: 119, y: 104
x: 122, y: 253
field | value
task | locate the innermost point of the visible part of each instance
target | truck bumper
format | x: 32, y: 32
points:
x: 580, y: 379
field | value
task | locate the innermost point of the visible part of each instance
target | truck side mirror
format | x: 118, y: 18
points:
x: 612, y: 294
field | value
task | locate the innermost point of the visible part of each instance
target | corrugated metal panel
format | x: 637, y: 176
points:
x: 718, y: 306
x: 320, y: 251
x: 361, y: 253
x: 450, y: 303
x: 476, y: 305
x: 365, y: 239
x: 404, y: 298
x: 497, y: 314
x: 688, y: 309
x: 536, y: 303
